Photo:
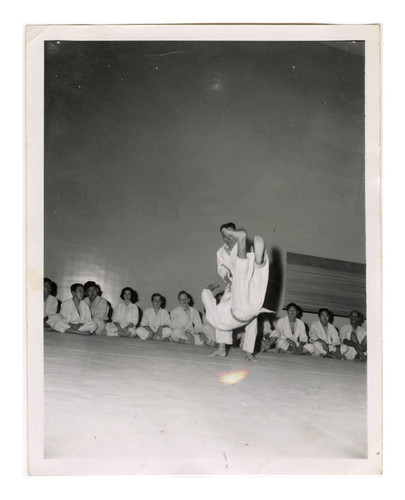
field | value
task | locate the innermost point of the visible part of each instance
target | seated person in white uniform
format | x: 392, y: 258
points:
x: 355, y: 337
x: 291, y: 333
x: 242, y: 302
x: 227, y: 253
x: 325, y: 338
x: 270, y: 336
x: 50, y: 306
x: 75, y: 316
x: 155, y: 324
x: 98, y: 306
x: 125, y: 316
x: 186, y: 322
x: 208, y: 330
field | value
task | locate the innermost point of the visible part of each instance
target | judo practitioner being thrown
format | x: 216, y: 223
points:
x: 242, y: 301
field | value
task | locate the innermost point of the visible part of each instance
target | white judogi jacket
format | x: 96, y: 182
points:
x: 317, y: 332
x: 190, y: 321
x: 283, y: 327
x: 241, y: 303
x: 226, y: 261
x: 346, y: 332
x: 50, y: 306
x: 70, y: 315
x: 99, y: 308
x: 126, y: 314
x: 153, y: 320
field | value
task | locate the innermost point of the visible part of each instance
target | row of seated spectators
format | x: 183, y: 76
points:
x: 87, y: 313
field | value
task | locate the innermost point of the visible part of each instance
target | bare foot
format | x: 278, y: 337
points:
x: 250, y: 357
x: 239, y: 235
x: 85, y: 332
x: 259, y: 249
x: 219, y: 352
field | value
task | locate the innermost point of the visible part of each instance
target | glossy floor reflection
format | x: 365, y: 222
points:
x: 164, y: 406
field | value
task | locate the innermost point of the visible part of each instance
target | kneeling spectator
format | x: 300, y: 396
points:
x: 155, y: 324
x: 126, y: 315
x: 207, y: 329
x: 270, y: 336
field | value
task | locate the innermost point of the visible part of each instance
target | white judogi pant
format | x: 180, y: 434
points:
x: 69, y: 314
x: 241, y: 304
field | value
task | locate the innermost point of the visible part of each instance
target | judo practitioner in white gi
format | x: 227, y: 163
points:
x: 227, y: 253
x: 75, y: 316
x: 155, y: 324
x: 291, y: 333
x: 99, y: 307
x: 50, y: 306
x: 126, y: 315
x: 242, y: 301
x: 226, y: 258
x: 208, y: 330
x: 270, y: 336
x: 325, y: 338
x: 186, y: 322
x: 354, y: 337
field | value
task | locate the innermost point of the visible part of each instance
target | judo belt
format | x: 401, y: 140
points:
x: 243, y: 321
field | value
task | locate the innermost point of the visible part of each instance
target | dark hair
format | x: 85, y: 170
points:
x: 355, y: 311
x: 88, y: 284
x: 324, y: 309
x: 134, y: 294
x: 227, y: 225
x: 162, y: 298
x: 293, y: 304
x: 185, y: 293
x: 360, y: 315
x: 299, y: 310
x: 54, y: 286
x: 190, y: 298
x: 75, y: 286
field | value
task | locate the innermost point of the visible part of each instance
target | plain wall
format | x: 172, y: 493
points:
x: 150, y: 147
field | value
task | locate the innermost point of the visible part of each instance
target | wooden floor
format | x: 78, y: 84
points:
x: 164, y: 407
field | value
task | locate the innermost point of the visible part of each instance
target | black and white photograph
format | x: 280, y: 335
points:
x: 204, y: 245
